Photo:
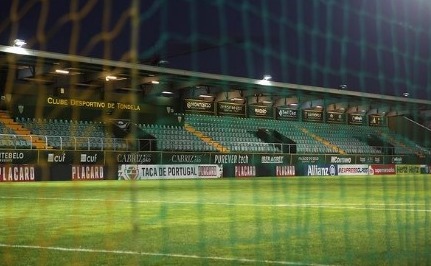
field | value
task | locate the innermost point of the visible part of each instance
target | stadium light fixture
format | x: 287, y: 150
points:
x: 109, y: 78
x: 265, y: 81
x: 16, y: 47
x: 155, y: 82
x: 236, y: 99
x: 18, y: 43
x: 406, y: 94
x: 205, y: 96
x: 62, y: 71
x: 167, y: 92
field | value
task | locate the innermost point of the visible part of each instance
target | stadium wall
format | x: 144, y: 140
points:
x: 46, y: 165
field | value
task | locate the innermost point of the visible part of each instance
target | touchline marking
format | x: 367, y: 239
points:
x: 173, y: 255
x: 374, y: 207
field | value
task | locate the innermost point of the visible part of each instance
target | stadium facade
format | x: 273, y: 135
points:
x: 66, y: 117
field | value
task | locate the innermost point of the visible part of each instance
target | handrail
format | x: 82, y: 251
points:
x: 98, y: 143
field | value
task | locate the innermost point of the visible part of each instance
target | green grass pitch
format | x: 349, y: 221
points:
x: 262, y: 221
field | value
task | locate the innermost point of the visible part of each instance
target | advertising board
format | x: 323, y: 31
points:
x: 230, y: 109
x: 282, y: 113
x: 19, y: 173
x: 169, y: 171
x: 185, y: 158
x: 355, y: 119
x: 87, y: 172
x: 335, y: 118
x: 312, y: 116
x: 353, y: 169
x: 317, y: 170
x: 382, y: 169
x: 18, y: 156
x: 284, y: 170
x: 376, y: 120
x: 260, y: 111
x: 199, y: 106
x: 133, y: 157
x: 243, y: 170
x: 411, y: 169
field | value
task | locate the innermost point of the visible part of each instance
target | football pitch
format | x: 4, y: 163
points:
x: 382, y: 220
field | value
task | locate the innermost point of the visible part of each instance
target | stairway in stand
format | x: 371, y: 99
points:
x: 22, y: 132
x: 205, y: 138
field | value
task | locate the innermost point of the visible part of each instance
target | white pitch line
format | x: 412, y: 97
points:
x: 375, y: 207
x: 172, y: 255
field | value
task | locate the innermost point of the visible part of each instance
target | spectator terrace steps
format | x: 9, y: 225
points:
x: 324, y: 141
x: 205, y: 138
x: 37, y: 142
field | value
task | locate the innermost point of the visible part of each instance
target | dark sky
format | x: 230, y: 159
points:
x: 379, y: 46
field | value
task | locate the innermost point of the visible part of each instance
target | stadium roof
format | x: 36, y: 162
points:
x: 39, y: 66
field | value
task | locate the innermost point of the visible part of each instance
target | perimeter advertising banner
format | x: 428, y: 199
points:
x: 166, y: 171
x: 283, y: 113
x: 18, y: 157
x: 273, y: 165
x: 285, y: 170
x: 312, y: 116
x: 89, y: 157
x: 185, y: 158
x: 382, y: 169
x: 87, y: 172
x: 307, y: 159
x: 335, y: 118
x: 56, y: 157
x: 244, y: 170
x: 260, y: 111
x: 133, y: 157
x: 229, y: 158
x: 63, y: 172
x: 353, y: 169
x: 395, y: 159
x: 19, y: 173
x: 317, y: 170
x: 411, y: 169
x: 232, y: 163
x: 376, y: 159
x: 230, y: 109
x: 340, y: 159
x: 355, y: 119
x: 272, y: 158
x: 199, y: 106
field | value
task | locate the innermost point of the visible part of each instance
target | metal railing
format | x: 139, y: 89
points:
x: 13, y: 141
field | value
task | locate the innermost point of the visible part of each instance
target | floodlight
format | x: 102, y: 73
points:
x: 19, y: 43
x: 206, y: 96
x: 109, y: 78
x: 267, y: 77
x: 62, y: 71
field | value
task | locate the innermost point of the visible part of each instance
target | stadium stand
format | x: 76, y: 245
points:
x: 240, y: 134
x: 234, y: 134
x: 205, y: 133
x: 72, y: 135
x: 175, y: 138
